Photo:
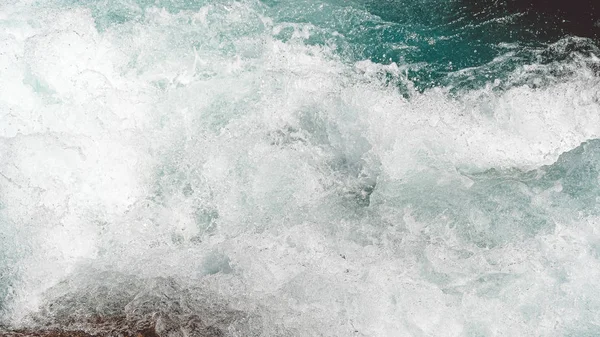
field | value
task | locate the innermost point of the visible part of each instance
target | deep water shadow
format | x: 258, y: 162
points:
x: 547, y: 18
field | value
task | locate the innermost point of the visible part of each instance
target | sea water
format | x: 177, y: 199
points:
x: 298, y: 168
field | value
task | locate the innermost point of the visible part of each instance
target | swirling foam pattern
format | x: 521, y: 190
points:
x: 297, y: 168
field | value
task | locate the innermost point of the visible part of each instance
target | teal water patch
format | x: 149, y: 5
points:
x: 576, y: 176
x: 109, y: 13
x: 497, y: 207
x: 462, y: 45
x: 438, y: 40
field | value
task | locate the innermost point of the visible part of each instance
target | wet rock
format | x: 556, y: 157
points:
x: 123, y: 306
x: 149, y: 332
x: 119, y: 327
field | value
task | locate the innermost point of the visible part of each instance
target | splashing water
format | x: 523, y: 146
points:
x: 297, y: 168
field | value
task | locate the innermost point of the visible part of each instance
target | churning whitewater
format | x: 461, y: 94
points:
x: 296, y: 168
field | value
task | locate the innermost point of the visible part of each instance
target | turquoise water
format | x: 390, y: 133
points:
x: 299, y: 168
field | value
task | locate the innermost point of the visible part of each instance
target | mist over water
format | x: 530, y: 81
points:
x: 297, y: 168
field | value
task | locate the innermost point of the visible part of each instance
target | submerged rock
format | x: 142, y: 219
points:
x: 118, y: 327
x: 150, y: 332
x: 107, y: 304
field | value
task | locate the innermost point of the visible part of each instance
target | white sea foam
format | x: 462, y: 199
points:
x: 296, y: 185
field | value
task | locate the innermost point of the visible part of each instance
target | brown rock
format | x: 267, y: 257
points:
x: 148, y: 332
